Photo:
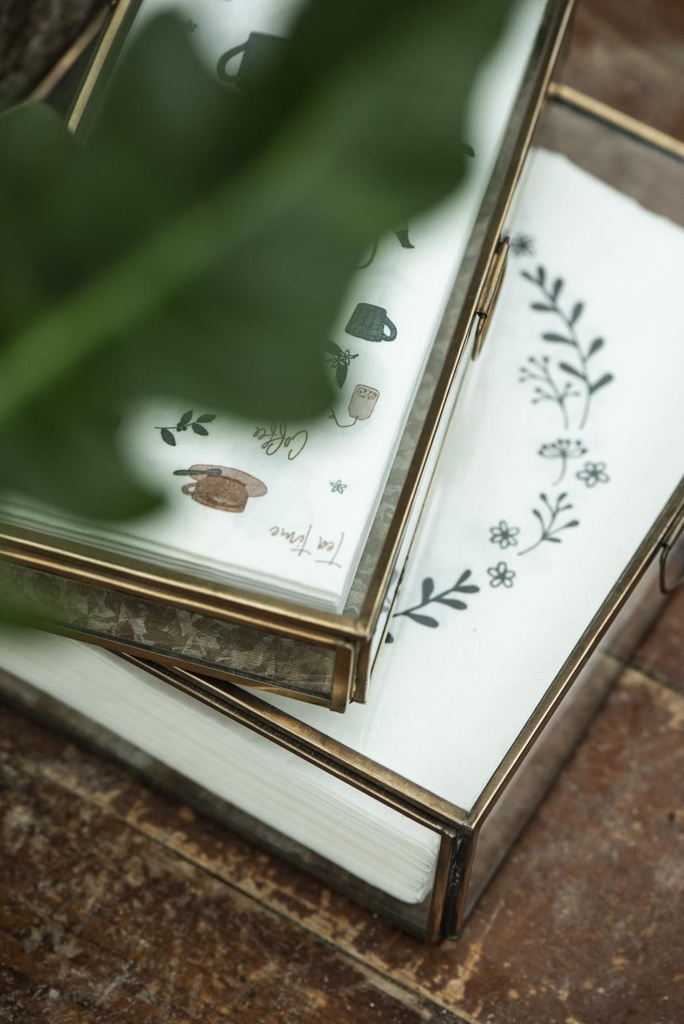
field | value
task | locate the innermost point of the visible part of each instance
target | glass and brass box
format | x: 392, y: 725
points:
x: 410, y: 803
x: 318, y: 651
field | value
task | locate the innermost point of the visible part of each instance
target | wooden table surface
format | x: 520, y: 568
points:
x: 120, y: 905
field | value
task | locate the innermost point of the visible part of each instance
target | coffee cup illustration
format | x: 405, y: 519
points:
x: 221, y: 487
x: 259, y: 53
x: 371, y: 323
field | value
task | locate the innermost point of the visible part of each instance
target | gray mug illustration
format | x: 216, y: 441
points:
x: 259, y: 54
x: 371, y: 323
x: 221, y: 487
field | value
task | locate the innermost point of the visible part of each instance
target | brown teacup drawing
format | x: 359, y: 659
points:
x: 221, y: 487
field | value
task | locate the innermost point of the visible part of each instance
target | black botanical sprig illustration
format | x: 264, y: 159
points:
x: 563, y: 449
x: 340, y: 358
x: 184, y: 422
x: 580, y: 370
x: 428, y: 597
x: 547, y: 389
x: 549, y: 518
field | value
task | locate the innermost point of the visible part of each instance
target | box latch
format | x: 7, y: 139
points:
x: 490, y: 293
x: 672, y: 556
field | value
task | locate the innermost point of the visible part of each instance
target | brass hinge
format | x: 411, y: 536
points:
x: 489, y: 293
x: 670, y: 580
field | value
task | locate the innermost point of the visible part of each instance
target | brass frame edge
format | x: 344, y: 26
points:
x: 85, y: 93
x: 151, y: 659
x: 628, y: 125
x: 42, y: 90
x: 332, y: 756
x: 448, y: 852
x: 556, y: 23
x: 671, y: 539
x: 326, y: 627
x: 346, y: 659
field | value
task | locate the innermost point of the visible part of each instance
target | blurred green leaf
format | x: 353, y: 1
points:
x: 201, y: 244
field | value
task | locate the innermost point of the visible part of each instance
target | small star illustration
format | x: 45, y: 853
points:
x: 337, y: 487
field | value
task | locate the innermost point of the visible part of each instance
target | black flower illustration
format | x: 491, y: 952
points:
x: 562, y: 449
x: 522, y: 245
x: 503, y: 535
x: 593, y: 473
x: 340, y: 358
x: 337, y: 487
x: 500, y: 575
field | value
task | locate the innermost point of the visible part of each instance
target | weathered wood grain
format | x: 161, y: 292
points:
x: 631, y: 55
x: 33, y: 35
x: 661, y: 655
x: 582, y: 921
x: 100, y: 922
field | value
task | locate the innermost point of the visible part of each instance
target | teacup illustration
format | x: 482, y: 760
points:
x: 371, y: 323
x: 260, y: 52
x: 221, y: 487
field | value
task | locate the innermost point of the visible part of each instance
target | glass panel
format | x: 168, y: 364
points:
x: 209, y: 644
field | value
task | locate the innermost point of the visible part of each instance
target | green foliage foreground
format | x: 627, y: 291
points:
x: 200, y: 244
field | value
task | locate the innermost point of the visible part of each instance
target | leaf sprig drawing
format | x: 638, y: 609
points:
x: 547, y: 389
x: 563, y: 449
x: 428, y: 597
x: 548, y: 518
x: 184, y: 422
x: 579, y: 370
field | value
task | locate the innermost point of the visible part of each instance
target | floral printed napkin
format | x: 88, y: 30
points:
x: 566, y: 444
